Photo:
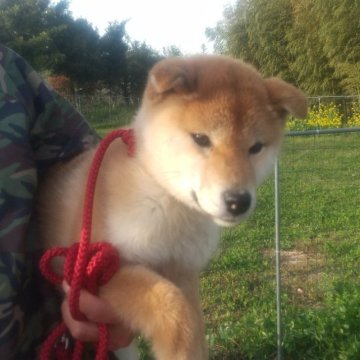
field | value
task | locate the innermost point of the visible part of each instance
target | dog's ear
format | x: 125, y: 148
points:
x: 286, y: 98
x: 170, y: 76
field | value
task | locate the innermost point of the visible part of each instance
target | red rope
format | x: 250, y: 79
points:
x: 87, y: 265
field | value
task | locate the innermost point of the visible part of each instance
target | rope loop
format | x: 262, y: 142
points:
x: 87, y: 265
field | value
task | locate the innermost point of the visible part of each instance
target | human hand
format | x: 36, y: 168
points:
x: 96, y: 310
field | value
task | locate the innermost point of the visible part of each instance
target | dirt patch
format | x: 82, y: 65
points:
x: 302, y: 274
x: 296, y: 259
x: 293, y: 257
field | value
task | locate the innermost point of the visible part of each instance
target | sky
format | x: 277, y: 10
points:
x: 160, y: 23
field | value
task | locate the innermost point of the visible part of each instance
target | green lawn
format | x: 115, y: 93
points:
x: 320, y: 234
x: 105, y: 117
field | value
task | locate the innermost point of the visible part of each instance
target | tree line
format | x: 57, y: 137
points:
x: 312, y: 43
x: 55, y: 43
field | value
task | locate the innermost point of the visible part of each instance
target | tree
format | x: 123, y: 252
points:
x: 171, y: 51
x: 28, y: 27
x: 230, y: 34
x: 255, y: 31
x: 310, y: 63
x: 113, y: 49
x: 267, y: 24
x: 140, y: 59
x: 313, y: 43
x: 339, y: 33
x: 78, y: 44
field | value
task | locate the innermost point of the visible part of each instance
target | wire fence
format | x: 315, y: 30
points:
x: 344, y: 103
x: 338, y: 111
x: 317, y: 238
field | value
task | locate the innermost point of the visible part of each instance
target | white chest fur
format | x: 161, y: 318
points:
x: 158, y: 229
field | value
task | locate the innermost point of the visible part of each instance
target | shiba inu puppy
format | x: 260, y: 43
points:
x: 207, y: 133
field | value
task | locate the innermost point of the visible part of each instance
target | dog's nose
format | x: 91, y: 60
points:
x: 237, y: 203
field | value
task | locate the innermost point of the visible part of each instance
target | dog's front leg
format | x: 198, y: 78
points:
x: 156, y: 308
x: 190, y: 285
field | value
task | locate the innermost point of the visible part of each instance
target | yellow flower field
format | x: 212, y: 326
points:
x: 326, y: 116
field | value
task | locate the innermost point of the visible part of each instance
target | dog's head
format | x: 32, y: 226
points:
x: 209, y: 130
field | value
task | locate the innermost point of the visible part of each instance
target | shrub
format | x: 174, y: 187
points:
x: 61, y: 84
x: 354, y: 120
x: 319, y: 117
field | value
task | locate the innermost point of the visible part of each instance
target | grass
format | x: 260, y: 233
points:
x: 320, y: 230
x: 320, y: 233
x: 106, y: 117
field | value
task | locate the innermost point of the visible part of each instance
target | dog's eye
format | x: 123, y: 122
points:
x: 256, y: 148
x: 201, y: 139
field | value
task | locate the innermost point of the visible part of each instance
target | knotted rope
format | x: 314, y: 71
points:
x: 87, y: 265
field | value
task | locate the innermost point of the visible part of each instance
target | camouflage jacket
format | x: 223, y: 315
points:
x: 37, y: 128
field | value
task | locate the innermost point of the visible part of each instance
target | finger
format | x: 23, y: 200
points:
x: 83, y: 331
x: 120, y: 336
x: 94, y: 308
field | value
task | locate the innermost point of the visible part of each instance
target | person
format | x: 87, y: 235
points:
x: 37, y: 129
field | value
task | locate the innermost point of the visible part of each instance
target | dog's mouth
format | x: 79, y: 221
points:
x: 226, y: 220
x: 196, y: 201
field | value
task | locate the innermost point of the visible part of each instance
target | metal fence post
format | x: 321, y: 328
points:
x: 277, y: 259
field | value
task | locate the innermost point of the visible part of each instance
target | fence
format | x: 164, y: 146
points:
x: 317, y: 198
x: 344, y: 103
x: 104, y: 109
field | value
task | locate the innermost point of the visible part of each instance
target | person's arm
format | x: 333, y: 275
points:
x: 37, y: 129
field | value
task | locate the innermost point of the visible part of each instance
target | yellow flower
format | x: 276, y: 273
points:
x: 354, y: 120
x: 319, y: 117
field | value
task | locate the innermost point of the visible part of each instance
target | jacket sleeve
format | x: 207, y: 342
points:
x: 37, y: 129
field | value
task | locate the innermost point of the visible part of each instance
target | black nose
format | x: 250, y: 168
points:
x: 237, y: 203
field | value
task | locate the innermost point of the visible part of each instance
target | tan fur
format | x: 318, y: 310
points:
x: 161, y: 208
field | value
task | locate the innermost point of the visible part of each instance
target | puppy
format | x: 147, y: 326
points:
x: 207, y: 133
